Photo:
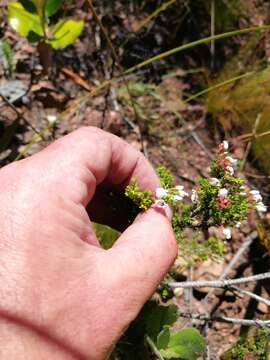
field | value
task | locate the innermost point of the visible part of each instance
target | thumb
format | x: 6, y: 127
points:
x: 145, y: 252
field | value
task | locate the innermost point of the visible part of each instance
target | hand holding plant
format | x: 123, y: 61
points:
x: 63, y: 296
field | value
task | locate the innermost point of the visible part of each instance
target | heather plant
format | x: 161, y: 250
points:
x: 221, y: 201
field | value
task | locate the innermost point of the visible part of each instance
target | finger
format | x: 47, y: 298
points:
x: 144, y: 253
x: 89, y: 157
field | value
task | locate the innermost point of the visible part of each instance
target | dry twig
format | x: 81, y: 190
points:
x: 243, y: 322
x: 219, y: 283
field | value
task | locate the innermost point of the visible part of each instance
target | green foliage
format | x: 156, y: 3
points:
x: 52, y: 6
x: 211, y: 214
x: 185, y: 344
x: 23, y: 21
x: 154, y: 321
x: 143, y: 199
x: 157, y: 317
x: 151, y: 321
x: 106, y: 235
x: 30, y: 18
x: 6, y: 56
x: 255, y: 346
x: 65, y: 32
x: 166, y: 178
x: 163, y: 338
x: 193, y: 250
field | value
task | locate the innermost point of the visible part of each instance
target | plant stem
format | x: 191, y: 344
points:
x: 154, y: 348
x: 195, y: 43
x: 219, y: 284
x: 243, y: 322
x: 213, y: 23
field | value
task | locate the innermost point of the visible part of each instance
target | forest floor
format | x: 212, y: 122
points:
x: 181, y: 136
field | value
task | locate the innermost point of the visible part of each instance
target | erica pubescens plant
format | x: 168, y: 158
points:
x: 221, y: 200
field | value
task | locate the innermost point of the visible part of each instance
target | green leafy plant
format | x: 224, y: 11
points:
x: 153, y: 326
x: 31, y: 19
x: 185, y: 344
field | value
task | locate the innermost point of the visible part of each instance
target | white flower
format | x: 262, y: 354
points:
x: 51, y: 119
x: 230, y: 170
x: 177, y: 198
x: 160, y: 193
x: 194, y: 195
x: 238, y: 224
x: 179, y: 187
x: 256, y: 196
x: 242, y: 193
x: 231, y: 160
x: 225, y: 145
x: 242, y: 187
x: 214, y: 181
x: 223, y: 193
x: 254, y: 192
x: 180, y: 193
x: 261, y: 207
x: 227, y: 232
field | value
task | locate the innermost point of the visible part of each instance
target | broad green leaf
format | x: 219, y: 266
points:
x: 65, y: 32
x: 52, y: 6
x: 106, y: 235
x: 169, y: 354
x: 29, y: 6
x: 186, y: 344
x: 163, y: 338
x: 23, y: 21
x: 158, y: 317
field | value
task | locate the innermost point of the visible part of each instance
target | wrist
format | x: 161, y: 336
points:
x: 21, y: 341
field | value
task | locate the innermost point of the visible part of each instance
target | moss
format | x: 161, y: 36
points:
x: 253, y: 346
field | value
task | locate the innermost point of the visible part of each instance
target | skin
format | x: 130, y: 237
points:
x: 62, y: 296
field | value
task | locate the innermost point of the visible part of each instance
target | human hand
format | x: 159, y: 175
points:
x: 62, y: 296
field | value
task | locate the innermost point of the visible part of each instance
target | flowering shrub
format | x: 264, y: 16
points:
x: 222, y: 200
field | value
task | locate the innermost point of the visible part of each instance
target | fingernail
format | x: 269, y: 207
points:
x: 163, y: 208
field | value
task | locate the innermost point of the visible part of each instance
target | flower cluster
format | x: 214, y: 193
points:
x: 170, y: 195
x: 222, y: 200
x: 226, y: 162
x: 256, y: 198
